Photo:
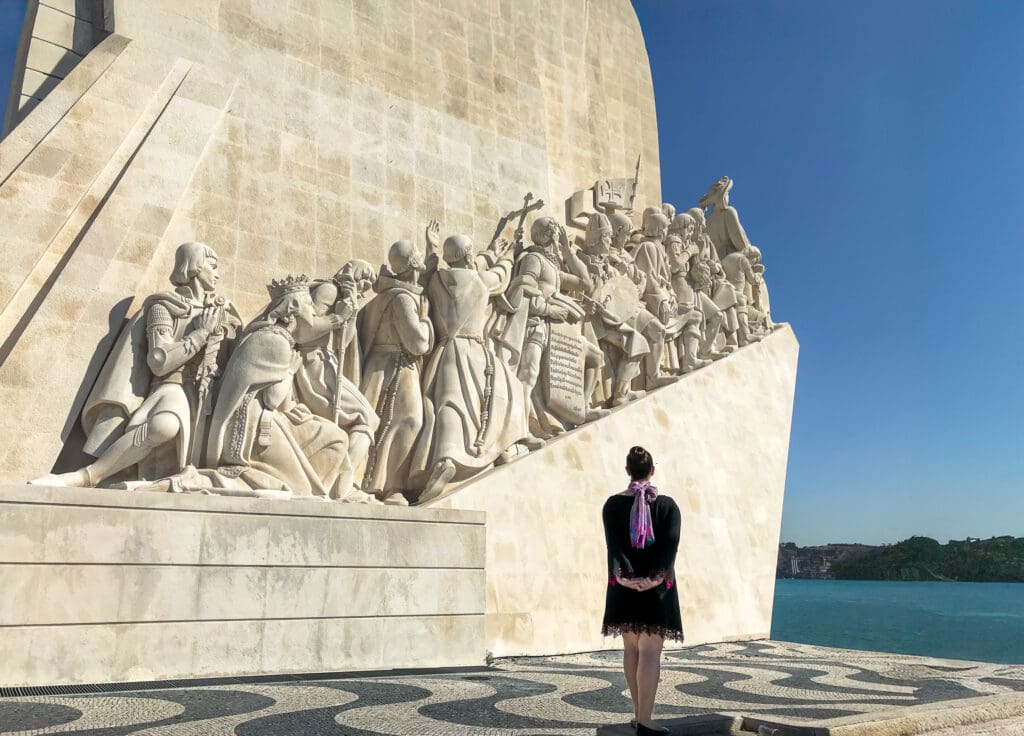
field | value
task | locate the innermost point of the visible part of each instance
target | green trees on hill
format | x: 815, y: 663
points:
x: 996, y: 560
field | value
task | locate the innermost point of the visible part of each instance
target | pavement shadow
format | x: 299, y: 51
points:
x: 706, y: 723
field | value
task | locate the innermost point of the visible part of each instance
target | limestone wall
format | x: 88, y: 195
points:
x: 102, y: 586
x: 720, y: 441
x: 357, y: 121
x: 88, y: 184
x: 290, y: 137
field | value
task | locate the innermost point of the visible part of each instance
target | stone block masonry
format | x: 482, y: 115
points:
x: 109, y: 586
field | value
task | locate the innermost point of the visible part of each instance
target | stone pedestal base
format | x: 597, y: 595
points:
x: 107, y: 586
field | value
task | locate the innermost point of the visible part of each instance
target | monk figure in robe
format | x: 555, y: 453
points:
x: 395, y: 333
x: 476, y: 406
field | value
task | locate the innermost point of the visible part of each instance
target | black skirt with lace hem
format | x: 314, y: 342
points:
x: 653, y: 629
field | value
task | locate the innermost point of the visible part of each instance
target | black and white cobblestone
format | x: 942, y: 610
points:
x: 531, y: 696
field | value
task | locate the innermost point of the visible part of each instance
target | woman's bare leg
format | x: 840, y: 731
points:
x: 648, y: 672
x: 630, y: 658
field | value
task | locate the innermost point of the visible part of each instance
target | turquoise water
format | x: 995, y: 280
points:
x: 979, y: 621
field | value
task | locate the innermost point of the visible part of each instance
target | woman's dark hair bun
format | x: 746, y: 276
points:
x: 639, y: 463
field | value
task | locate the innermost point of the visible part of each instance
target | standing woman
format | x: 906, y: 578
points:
x: 642, y: 602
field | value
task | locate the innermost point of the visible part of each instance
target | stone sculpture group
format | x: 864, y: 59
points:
x: 387, y: 385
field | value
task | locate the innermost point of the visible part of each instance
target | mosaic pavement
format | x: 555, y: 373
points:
x: 528, y: 696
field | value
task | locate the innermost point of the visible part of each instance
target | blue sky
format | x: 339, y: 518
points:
x: 12, y: 13
x: 878, y: 155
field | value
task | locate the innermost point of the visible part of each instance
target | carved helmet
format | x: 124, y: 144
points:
x: 621, y: 225
x: 598, y: 227
x: 655, y: 220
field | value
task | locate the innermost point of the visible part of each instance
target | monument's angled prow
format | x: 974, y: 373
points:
x: 324, y: 338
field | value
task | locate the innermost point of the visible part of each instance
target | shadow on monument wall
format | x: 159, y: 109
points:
x: 71, y: 456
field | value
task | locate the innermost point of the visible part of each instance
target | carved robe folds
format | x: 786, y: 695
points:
x: 476, y: 407
x: 394, y: 335
x: 261, y: 433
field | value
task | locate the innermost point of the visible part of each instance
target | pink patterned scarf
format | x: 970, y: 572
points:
x: 641, y: 527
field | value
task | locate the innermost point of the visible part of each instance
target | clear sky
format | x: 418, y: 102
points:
x: 877, y: 150
x: 12, y: 13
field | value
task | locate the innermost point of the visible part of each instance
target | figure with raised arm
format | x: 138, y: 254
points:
x: 476, y: 406
x: 327, y: 380
x: 263, y: 441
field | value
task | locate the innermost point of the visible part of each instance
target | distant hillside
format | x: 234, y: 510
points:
x: 996, y: 560
x: 815, y: 563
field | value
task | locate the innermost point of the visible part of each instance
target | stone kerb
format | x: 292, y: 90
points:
x: 108, y: 586
x: 719, y: 438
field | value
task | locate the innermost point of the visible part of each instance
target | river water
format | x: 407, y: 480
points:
x: 977, y: 621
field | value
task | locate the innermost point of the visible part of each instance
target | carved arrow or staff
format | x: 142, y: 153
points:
x: 340, y: 348
x: 205, y: 374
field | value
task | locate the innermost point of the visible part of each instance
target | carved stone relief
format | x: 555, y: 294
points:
x: 386, y: 385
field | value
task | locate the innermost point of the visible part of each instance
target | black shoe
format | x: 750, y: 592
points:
x: 642, y: 730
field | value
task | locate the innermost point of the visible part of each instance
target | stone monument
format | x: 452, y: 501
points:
x: 241, y: 147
